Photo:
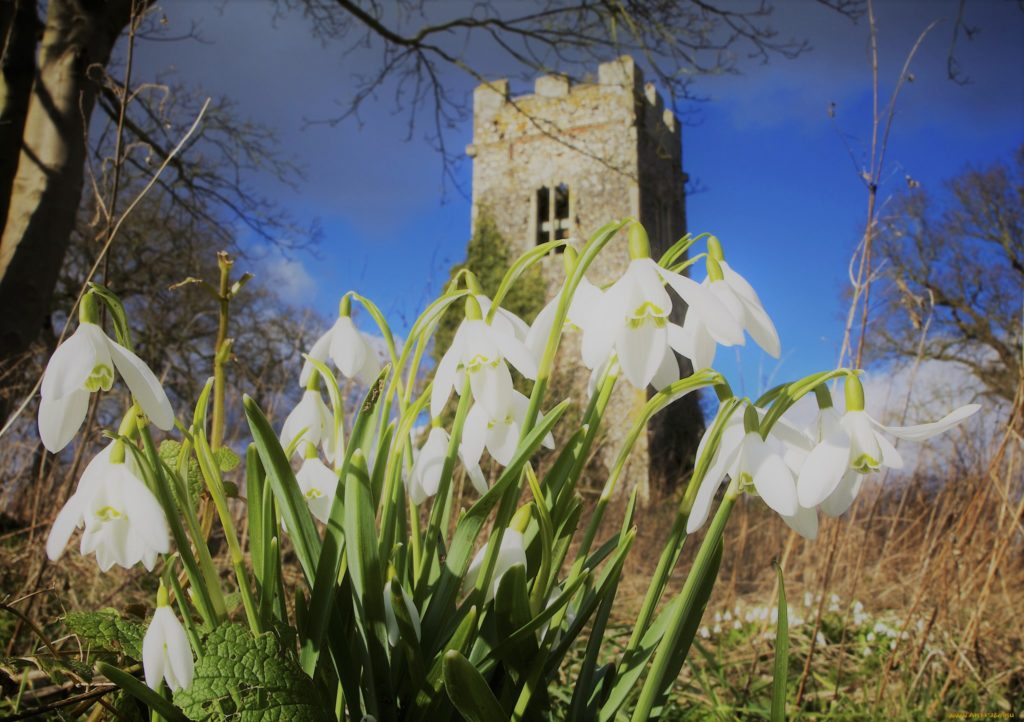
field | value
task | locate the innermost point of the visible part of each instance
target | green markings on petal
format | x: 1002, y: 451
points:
x: 648, y: 313
x: 108, y: 513
x: 865, y: 463
x: 101, y: 377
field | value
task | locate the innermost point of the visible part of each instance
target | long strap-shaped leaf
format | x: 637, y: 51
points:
x: 141, y: 692
x: 469, y: 691
x: 676, y: 642
x: 781, y: 655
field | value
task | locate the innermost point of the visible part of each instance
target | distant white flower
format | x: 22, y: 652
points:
x: 392, y: 620
x: 318, y: 485
x: 348, y: 348
x: 481, y: 350
x: 124, y: 523
x: 166, y: 654
x: 83, y: 364
x: 511, y: 553
x: 310, y: 422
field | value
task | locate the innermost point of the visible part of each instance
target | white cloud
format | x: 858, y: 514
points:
x: 289, y: 278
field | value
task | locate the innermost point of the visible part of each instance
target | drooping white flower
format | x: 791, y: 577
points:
x: 392, y: 620
x: 500, y: 436
x: 855, y: 444
x: 124, y: 523
x: 423, y: 479
x: 632, y: 319
x: 166, y: 653
x: 511, y: 552
x: 84, y: 363
x: 580, y: 315
x: 741, y: 299
x: 755, y: 462
x: 481, y: 350
x: 310, y: 422
x: 347, y: 346
x: 318, y: 485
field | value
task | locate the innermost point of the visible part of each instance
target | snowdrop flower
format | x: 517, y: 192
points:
x: 422, y: 481
x: 741, y: 299
x: 500, y: 436
x: 504, y: 320
x: 511, y: 552
x: 754, y: 462
x: 85, y: 363
x: 346, y: 346
x: 856, y: 445
x: 579, y: 315
x: 481, y: 349
x: 631, y: 318
x: 318, y: 484
x: 310, y: 421
x: 124, y: 523
x: 392, y: 620
x: 166, y: 654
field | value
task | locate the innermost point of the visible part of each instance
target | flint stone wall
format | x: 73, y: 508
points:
x: 619, y: 150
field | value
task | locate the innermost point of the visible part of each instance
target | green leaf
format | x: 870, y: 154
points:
x: 781, y: 654
x: 250, y: 679
x: 469, y: 692
x: 170, y: 452
x: 109, y: 631
x: 226, y: 458
x: 512, y: 611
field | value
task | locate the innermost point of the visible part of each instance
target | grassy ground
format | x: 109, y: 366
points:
x: 907, y: 609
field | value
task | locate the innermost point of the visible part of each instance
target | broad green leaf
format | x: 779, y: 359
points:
x: 249, y: 679
x: 469, y: 692
x: 109, y: 631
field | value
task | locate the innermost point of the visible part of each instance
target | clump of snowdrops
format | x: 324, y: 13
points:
x: 397, y: 616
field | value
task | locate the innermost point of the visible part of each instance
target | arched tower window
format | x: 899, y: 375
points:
x: 553, y: 212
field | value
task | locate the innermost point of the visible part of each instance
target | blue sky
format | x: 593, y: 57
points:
x: 779, y: 186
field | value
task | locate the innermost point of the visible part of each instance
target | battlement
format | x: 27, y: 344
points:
x: 619, y: 94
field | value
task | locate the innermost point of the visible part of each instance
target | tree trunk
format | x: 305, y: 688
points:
x: 47, y: 185
x: 19, y: 30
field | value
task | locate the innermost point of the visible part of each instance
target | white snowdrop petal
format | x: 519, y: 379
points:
x: 920, y: 432
x: 823, y: 469
x: 843, y: 497
x: 60, y: 419
x: 668, y: 370
x: 474, y: 434
x: 772, y: 478
x: 348, y: 349
x: 804, y: 522
x: 144, y: 385
x: 72, y: 363
x: 640, y: 351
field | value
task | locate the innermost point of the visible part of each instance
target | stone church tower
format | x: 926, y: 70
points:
x: 563, y: 162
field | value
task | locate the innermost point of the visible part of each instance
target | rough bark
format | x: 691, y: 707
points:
x: 19, y: 33
x: 47, y: 185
